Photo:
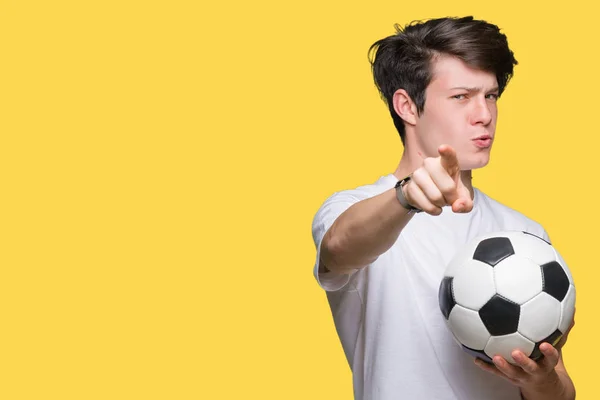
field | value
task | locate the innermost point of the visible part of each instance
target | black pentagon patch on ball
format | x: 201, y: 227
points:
x: 555, y: 280
x: 553, y: 339
x: 500, y: 316
x: 541, y: 238
x: 493, y: 250
x: 478, y: 354
x: 445, y: 296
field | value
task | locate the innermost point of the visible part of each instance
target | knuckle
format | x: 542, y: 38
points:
x: 530, y: 367
x: 419, y: 174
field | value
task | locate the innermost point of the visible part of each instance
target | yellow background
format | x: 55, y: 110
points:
x: 161, y: 163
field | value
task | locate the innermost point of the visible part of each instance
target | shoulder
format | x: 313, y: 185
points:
x: 341, y: 200
x: 355, y: 194
x: 509, y: 217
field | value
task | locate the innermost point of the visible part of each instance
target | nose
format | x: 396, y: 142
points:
x: 482, y: 113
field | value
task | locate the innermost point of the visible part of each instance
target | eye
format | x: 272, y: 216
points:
x: 459, y: 96
x: 492, y: 96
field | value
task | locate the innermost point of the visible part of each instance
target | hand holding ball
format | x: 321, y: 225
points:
x: 505, y: 291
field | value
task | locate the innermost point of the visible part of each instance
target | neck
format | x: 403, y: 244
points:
x: 410, y: 162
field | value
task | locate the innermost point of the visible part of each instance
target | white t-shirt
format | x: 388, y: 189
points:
x: 387, y: 314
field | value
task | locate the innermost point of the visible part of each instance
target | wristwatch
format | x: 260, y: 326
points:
x: 400, y: 195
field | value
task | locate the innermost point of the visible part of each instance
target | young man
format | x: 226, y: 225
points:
x: 380, y: 259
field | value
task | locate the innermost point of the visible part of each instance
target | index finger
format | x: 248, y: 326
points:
x: 448, y: 159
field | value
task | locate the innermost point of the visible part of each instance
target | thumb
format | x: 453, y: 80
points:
x: 463, y: 203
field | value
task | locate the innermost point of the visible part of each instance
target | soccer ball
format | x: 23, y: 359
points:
x: 505, y: 291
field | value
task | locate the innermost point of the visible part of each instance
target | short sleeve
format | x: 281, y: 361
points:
x: 331, y: 209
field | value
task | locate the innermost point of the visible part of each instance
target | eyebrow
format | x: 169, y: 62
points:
x: 474, y: 89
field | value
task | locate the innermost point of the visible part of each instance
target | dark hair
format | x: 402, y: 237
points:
x: 403, y: 60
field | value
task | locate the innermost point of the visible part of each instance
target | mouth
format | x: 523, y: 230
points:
x: 483, y: 141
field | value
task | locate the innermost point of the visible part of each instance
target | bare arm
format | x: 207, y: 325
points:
x: 370, y: 227
x: 558, y: 387
x: 363, y: 232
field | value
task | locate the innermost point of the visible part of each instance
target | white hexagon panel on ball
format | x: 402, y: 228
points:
x: 539, y: 317
x: 473, y: 285
x: 468, y: 327
x: 518, y: 279
x: 505, y: 345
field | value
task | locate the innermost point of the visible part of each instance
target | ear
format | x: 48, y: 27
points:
x: 404, y: 107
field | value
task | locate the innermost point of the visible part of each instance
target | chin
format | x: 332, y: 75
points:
x: 476, y: 162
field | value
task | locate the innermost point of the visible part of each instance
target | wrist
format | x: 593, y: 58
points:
x: 558, y: 386
x: 401, y: 195
x: 568, y: 388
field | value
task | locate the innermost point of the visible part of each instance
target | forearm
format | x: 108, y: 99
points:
x: 561, y: 388
x: 363, y: 232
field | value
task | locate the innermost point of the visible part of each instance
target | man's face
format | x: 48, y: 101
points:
x: 460, y: 110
